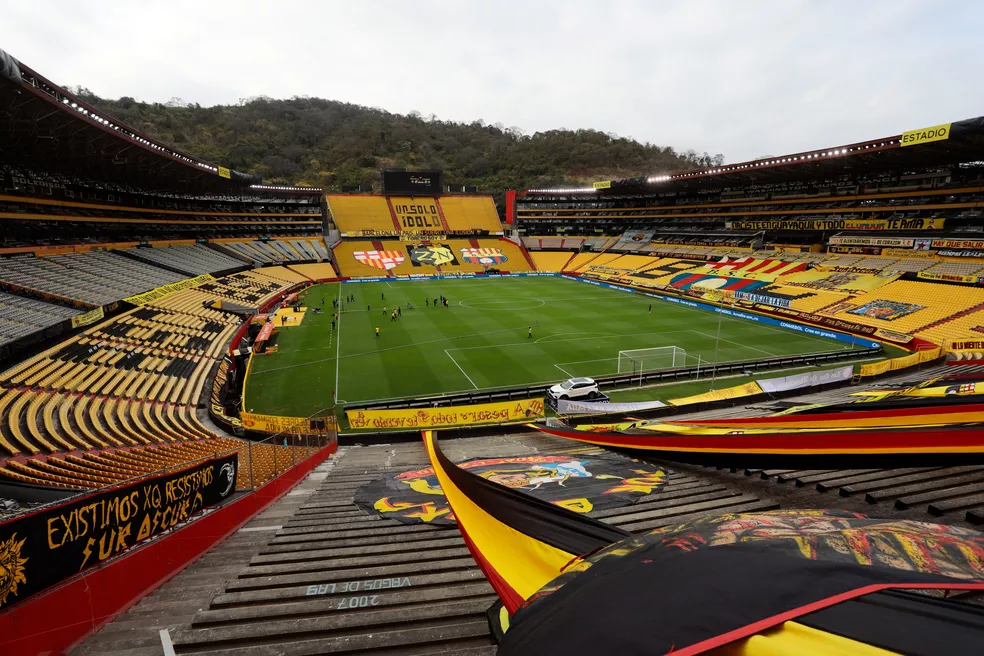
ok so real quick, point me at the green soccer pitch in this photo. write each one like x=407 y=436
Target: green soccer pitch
x=482 y=341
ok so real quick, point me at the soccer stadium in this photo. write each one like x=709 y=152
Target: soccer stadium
x=240 y=417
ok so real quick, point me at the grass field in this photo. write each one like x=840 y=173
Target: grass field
x=481 y=341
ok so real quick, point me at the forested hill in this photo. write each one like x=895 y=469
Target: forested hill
x=330 y=144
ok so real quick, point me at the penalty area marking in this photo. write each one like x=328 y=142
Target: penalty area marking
x=460 y=369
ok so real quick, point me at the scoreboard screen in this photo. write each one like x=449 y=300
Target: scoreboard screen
x=427 y=183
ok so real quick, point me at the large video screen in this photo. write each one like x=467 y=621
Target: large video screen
x=412 y=182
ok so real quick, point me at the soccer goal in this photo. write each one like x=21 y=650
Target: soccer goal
x=640 y=361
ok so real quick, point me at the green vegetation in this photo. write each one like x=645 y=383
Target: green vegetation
x=328 y=144
x=481 y=341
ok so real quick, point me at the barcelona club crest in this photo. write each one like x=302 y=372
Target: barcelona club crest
x=578 y=483
x=432 y=255
x=483 y=256
x=384 y=260
x=11 y=567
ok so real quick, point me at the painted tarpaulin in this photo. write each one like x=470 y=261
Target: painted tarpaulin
x=699 y=281
x=519 y=541
x=41 y=549
x=809 y=379
x=568 y=407
x=580 y=483
x=699 y=585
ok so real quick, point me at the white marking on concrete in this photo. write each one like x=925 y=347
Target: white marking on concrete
x=166 y=643
x=253 y=529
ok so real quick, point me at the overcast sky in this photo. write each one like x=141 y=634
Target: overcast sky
x=745 y=78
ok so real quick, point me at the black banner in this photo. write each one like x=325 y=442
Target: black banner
x=578 y=483
x=44 y=548
x=432 y=255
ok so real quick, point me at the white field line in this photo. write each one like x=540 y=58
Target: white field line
x=569 y=374
x=460 y=369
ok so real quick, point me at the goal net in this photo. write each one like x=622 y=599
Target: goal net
x=640 y=361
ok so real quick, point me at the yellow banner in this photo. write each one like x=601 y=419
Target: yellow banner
x=875 y=368
x=604 y=184
x=161 y=292
x=926 y=135
x=274 y=424
x=90 y=317
x=907 y=252
x=905 y=361
x=422 y=236
x=747 y=389
x=952 y=277
x=968 y=345
x=458 y=415
x=225 y=173
x=840 y=224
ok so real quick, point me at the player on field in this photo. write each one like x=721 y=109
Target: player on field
x=399 y=312
x=529 y=335
x=377 y=332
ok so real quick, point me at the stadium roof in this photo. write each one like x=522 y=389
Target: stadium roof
x=942 y=145
x=48 y=128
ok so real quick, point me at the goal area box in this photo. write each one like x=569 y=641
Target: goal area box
x=640 y=361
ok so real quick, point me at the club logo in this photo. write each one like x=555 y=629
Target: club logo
x=384 y=260
x=11 y=567
x=483 y=256
x=431 y=255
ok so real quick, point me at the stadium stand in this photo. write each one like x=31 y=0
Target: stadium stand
x=20 y=317
x=190 y=259
x=316 y=272
x=365 y=259
x=388 y=216
x=92 y=278
x=551 y=260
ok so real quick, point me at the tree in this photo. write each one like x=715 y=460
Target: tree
x=327 y=143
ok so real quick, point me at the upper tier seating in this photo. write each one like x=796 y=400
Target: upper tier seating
x=362 y=215
x=191 y=259
x=470 y=213
x=94 y=278
x=21 y=316
x=277 y=251
x=355 y=214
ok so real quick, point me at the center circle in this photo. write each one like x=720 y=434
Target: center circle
x=501 y=306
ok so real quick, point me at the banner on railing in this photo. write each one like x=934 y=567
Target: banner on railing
x=808 y=379
x=88 y=318
x=968 y=345
x=164 y=290
x=567 y=407
x=275 y=424
x=44 y=548
x=903 y=362
x=747 y=389
x=456 y=415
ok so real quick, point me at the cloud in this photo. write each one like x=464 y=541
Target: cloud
x=745 y=79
